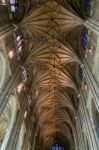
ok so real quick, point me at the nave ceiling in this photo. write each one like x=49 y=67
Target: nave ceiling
x=54 y=64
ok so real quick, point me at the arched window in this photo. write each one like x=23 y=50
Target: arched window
x=19 y=42
x=84 y=39
x=13 y=5
x=81 y=73
x=89 y=7
x=56 y=147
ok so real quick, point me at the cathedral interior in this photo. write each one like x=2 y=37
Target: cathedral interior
x=49 y=67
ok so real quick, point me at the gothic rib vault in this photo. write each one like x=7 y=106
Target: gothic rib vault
x=54 y=66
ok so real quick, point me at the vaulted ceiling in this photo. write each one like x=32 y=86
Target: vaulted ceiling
x=54 y=63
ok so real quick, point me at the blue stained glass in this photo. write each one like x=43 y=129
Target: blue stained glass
x=56 y=147
x=84 y=39
x=89 y=3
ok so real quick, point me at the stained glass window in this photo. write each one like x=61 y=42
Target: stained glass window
x=56 y=147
